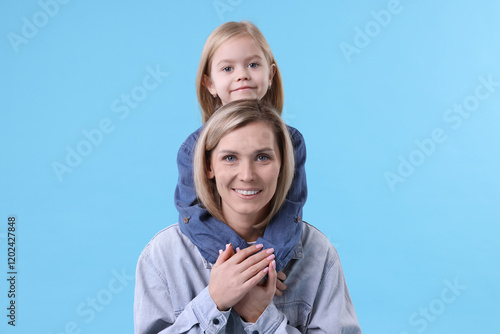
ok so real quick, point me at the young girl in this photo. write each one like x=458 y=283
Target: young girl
x=243 y=169
x=237 y=63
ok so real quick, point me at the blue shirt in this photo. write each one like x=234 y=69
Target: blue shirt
x=171 y=292
x=210 y=234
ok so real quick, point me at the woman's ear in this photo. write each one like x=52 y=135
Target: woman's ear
x=209 y=84
x=210 y=171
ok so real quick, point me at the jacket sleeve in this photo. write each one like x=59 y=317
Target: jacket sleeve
x=271 y=321
x=154 y=312
x=333 y=311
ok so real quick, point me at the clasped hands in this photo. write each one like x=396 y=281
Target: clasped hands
x=237 y=281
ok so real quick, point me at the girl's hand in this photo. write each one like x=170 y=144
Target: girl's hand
x=280 y=286
x=233 y=275
x=255 y=302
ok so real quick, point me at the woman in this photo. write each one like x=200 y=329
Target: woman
x=243 y=168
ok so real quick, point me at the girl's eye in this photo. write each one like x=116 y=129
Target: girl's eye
x=253 y=65
x=230 y=158
x=227 y=69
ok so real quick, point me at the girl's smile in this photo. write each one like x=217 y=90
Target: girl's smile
x=239 y=70
x=243 y=88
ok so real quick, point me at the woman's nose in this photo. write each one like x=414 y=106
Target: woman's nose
x=247 y=172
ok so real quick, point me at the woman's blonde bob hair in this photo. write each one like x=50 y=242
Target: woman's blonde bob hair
x=221 y=34
x=235 y=115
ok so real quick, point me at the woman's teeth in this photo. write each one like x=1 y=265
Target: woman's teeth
x=247 y=192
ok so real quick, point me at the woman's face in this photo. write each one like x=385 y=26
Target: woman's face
x=246 y=165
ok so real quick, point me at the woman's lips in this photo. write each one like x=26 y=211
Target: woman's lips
x=247 y=193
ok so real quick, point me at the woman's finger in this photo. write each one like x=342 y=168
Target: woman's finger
x=224 y=255
x=251 y=260
x=242 y=254
x=256 y=264
x=272 y=277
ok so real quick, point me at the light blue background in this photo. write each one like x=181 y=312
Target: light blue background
x=360 y=114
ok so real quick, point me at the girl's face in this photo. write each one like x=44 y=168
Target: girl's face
x=246 y=165
x=239 y=70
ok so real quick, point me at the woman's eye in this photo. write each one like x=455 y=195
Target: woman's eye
x=227 y=69
x=253 y=65
x=262 y=158
x=230 y=158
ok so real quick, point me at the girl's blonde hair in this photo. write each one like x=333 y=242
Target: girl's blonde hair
x=232 y=116
x=221 y=34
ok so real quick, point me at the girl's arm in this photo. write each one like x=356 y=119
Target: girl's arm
x=298 y=191
x=185 y=193
x=284 y=230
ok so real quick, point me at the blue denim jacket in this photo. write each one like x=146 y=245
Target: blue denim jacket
x=171 y=291
x=210 y=234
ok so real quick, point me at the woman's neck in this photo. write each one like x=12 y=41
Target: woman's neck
x=245 y=228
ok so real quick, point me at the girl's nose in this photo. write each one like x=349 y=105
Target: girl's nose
x=242 y=74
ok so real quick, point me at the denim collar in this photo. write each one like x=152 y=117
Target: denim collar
x=298 y=253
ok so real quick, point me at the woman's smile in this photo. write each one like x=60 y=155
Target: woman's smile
x=247 y=194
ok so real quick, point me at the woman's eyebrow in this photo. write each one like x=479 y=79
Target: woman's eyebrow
x=227 y=152
x=260 y=150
